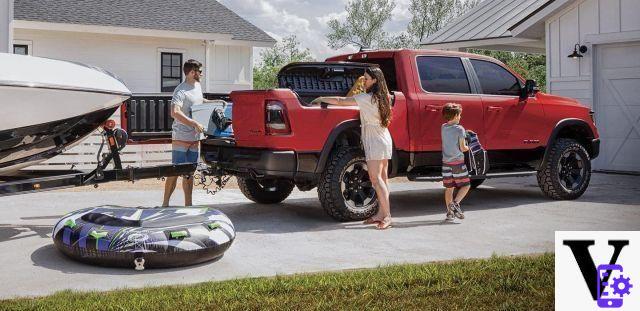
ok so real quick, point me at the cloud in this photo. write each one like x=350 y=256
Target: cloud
x=307 y=20
x=401 y=11
x=323 y=20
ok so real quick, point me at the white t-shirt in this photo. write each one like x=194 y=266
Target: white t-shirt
x=184 y=96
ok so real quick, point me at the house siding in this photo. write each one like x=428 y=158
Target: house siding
x=136 y=60
x=571 y=77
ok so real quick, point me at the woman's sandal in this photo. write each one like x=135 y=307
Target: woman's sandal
x=370 y=221
x=384 y=224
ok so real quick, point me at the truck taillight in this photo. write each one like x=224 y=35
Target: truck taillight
x=276 y=122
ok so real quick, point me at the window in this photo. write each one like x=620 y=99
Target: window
x=496 y=80
x=388 y=67
x=21 y=49
x=443 y=74
x=171 y=71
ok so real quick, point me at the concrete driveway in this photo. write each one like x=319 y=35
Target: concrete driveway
x=505 y=216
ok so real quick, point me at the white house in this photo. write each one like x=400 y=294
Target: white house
x=144 y=42
x=606 y=78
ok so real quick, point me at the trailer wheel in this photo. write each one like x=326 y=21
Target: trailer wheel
x=475 y=183
x=345 y=191
x=265 y=192
x=567 y=171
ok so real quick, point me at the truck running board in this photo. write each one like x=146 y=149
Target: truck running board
x=487 y=176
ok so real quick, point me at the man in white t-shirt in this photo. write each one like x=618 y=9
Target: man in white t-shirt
x=186 y=132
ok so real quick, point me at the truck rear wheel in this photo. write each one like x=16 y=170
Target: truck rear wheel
x=567 y=171
x=345 y=191
x=267 y=191
x=475 y=183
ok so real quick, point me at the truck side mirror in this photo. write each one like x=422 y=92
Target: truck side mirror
x=529 y=89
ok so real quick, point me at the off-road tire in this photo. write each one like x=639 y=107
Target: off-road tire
x=329 y=186
x=276 y=192
x=549 y=178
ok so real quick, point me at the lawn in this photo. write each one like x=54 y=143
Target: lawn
x=498 y=283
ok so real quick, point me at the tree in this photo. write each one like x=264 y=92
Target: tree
x=429 y=16
x=265 y=74
x=363 y=25
x=401 y=41
x=529 y=66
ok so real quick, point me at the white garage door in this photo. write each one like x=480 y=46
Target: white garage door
x=617 y=106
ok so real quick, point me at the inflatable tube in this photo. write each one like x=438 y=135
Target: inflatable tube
x=144 y=238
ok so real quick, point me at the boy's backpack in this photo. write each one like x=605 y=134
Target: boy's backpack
x=476 y=158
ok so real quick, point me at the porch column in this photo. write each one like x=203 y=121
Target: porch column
x=6 y=26
x=208 y=68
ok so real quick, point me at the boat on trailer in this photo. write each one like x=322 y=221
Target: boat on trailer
x=50 y=105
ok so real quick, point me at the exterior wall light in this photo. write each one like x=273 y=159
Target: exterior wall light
x=578 y=50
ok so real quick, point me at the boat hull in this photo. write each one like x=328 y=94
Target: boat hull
x=27 y=106
x=29 y=145
x=50 y=105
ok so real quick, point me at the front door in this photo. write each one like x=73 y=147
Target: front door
x=443 y=80
x=510 y=124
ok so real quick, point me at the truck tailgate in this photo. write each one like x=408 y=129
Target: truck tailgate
x=147 y=117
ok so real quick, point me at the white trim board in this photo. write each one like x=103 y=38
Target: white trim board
x=615 y=37
x=222 y=39
x=537 y=45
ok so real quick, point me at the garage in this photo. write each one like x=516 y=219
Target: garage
x=617 y=106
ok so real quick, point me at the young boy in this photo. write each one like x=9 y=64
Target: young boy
x=454 y=170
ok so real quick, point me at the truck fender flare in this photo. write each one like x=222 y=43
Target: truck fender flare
x=333 y=136
x=562 y=124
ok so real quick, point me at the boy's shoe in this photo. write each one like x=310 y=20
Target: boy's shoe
x=457 y=211
x=450 y=216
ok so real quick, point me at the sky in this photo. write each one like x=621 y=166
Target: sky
x=307 y=20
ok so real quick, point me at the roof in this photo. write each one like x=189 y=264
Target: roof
x=202 y=16
x=383 y=53
x=488 y=20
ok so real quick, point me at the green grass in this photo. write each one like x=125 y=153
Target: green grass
x=498 y=283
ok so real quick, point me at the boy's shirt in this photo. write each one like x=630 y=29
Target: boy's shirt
x=451 y=135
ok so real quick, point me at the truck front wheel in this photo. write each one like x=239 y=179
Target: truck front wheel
x=266 y=191
x=567 y=171
x=345 y=191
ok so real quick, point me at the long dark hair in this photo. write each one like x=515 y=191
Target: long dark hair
x=380 y=95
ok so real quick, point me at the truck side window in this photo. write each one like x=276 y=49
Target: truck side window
x=442 y=74
x=495 y=80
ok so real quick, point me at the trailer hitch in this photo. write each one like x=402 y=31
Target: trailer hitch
x=217 y=178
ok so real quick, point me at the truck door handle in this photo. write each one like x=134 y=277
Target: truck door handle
x=433 y=108
x=494 y=109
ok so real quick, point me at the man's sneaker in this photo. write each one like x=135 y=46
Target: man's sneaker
x=457 y=210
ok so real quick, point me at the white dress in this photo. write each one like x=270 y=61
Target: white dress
x=376 y=139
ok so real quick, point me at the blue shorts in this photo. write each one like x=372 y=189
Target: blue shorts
x=180 y=155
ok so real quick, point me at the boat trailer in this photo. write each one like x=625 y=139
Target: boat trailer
x=28 y=181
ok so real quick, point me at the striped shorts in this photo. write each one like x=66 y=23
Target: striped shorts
x=455 y=174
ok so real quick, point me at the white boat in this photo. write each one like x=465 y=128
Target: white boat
x=50 y=105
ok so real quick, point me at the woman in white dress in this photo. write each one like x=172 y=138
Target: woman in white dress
x=375 y=117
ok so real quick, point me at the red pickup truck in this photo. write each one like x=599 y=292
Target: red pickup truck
x=280 y=140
